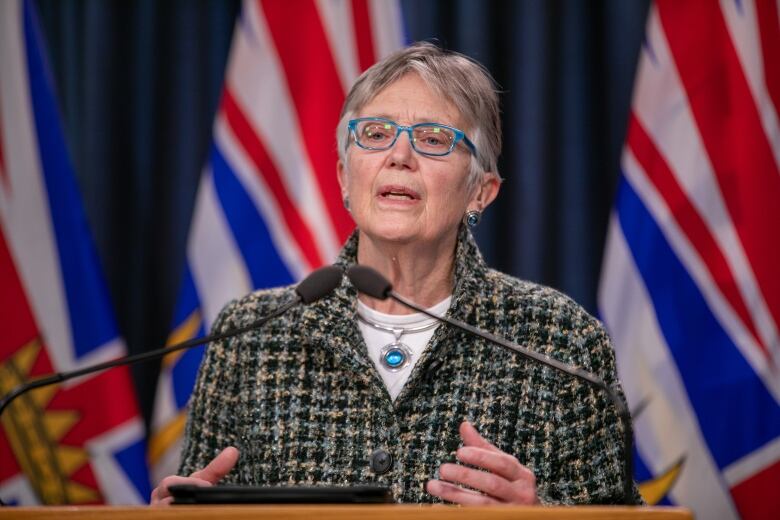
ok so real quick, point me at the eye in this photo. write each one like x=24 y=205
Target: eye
x=433 y=140
x=433 y=137
x=377 y=133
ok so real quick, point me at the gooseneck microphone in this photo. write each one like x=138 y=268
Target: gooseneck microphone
x=370 y=282
x=318 y=284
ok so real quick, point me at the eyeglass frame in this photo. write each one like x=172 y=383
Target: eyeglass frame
x=460 y=135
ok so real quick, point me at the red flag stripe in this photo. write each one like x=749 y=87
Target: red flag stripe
x=730 y=126
x=364 y=41
x=757 y=497
x=689 y=220
x=316 y=91
x=103 y=403
x=14 y=306
x=769 y=31
x=256 y=151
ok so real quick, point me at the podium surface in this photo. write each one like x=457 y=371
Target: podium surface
x=347 y=512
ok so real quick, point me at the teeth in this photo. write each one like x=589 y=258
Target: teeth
x=393 y=195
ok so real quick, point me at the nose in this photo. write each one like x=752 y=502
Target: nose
x=402 y=154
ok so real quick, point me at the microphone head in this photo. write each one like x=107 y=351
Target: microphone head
x=319 y=283
x=369 y=282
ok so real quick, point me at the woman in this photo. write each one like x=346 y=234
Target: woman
x=351 y=390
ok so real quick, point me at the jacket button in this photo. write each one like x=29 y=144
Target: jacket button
x=381 y=461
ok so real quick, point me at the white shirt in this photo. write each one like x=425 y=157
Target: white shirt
x=416 y=341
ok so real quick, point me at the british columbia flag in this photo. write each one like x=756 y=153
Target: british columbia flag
x=82 y=442
x=691 y=278
x=269 y=208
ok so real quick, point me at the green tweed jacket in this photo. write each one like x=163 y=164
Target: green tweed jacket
x=304 y=404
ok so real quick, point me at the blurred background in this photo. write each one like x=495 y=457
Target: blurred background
x=199 y=183
x=139 y=83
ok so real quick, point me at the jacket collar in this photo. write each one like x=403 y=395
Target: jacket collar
x=335 y=318
x=470 y=267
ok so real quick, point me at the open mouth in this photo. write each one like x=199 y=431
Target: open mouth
x=398 y=193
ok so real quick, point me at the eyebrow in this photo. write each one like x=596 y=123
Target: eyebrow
x=416 y=120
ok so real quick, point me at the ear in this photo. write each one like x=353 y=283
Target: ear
x=341 y=174
x=485 y=191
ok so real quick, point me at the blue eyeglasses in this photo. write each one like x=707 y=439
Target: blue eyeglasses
x=378 y=133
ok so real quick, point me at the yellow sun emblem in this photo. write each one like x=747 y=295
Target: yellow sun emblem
x=656 y=489
x=34 y=434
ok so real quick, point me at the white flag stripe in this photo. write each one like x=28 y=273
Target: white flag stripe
x=255 y=187
x=168 y=463
x=742 y=24
x=693 y=263
x=270 y=111
x=165 y=401
x=165 y=410
x=752 y=463
x=20 y=488
x=667 y=429
x=109 y=474
x=218 y=269
x=661 y=105
x=111 y=349
x=387 y=27
x=336 y=17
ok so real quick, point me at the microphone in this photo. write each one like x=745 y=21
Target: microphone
x=318 y=284
x=370 y=282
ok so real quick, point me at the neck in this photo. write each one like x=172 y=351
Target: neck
x=422 y=272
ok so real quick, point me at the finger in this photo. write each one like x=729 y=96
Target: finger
x=471 y=437
x=162 y=490
x=488 y=483
x=500 y=463
x=165 y=501
x=458 y=495
x=219 y=466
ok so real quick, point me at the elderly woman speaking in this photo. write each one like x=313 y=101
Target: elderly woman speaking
x=352 y=390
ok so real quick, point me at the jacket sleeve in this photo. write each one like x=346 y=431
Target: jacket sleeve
x=211 y=420
x=589 y=428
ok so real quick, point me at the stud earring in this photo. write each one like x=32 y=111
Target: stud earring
x=472 y=218
x=346 y=203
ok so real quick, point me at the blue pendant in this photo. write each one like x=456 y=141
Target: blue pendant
x=395 y=356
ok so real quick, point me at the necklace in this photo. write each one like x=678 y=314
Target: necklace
x=395 y=355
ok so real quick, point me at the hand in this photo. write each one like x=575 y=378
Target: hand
x=208 y=476
x=504 y=481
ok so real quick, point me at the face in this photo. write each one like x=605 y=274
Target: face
x=398 y=194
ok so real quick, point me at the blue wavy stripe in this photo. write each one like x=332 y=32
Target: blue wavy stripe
x=132 y=459
x=185 y=370
x=91 y=319
x=735 y=412
x=265 y=265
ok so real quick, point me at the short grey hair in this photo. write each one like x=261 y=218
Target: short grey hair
x=464 y=82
